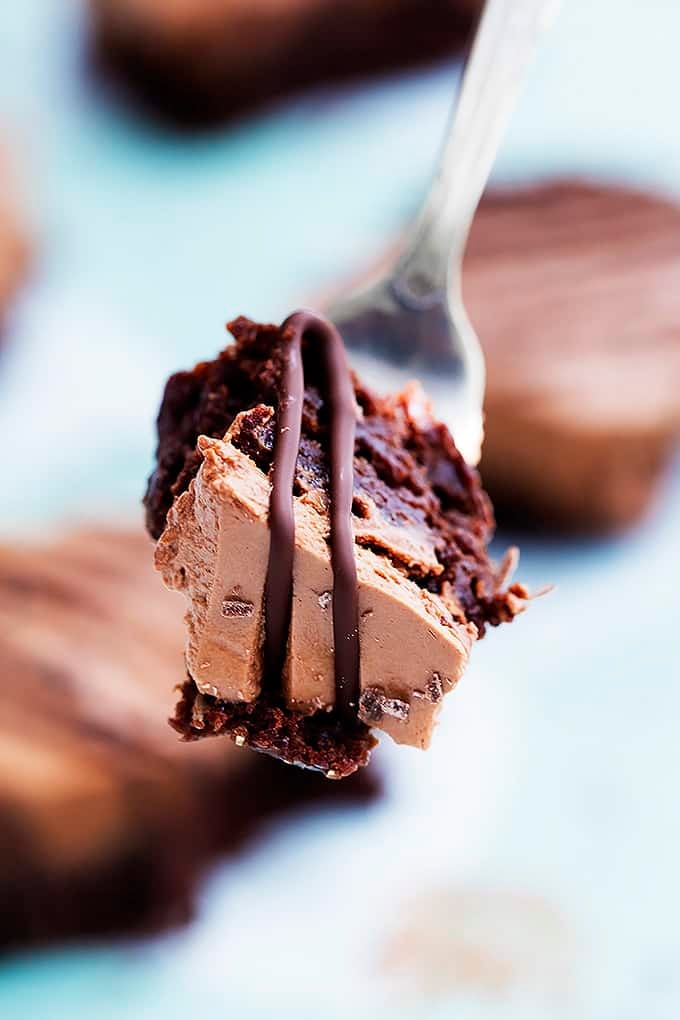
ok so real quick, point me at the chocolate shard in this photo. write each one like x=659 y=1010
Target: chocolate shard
x=237 y=607
x=374 y=706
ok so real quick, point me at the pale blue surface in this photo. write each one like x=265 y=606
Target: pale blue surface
x=555 y=769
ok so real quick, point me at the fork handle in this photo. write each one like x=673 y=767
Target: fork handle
x=504 y=44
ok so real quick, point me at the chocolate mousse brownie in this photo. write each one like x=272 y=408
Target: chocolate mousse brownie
x=331 y=545
x=106 y=821
x=582 y=345
x=197 y=61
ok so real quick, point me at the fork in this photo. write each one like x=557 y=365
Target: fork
x=411 y=321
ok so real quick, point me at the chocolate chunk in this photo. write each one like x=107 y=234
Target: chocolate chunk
x=434 y=688
x=374 y=706
x=237 y=607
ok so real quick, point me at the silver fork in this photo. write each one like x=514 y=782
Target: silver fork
x=411 y=322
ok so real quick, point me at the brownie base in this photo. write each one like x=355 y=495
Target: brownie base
x=322 y=741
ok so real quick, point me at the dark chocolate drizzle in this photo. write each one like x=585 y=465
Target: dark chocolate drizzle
x=342 y=423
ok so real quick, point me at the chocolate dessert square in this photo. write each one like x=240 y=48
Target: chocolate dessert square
x=331 y=545
x=582 y=346
x=106 y=821
x=197 y=61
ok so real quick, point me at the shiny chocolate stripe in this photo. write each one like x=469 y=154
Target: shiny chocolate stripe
x=339 y=395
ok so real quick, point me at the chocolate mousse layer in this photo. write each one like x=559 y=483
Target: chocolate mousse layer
x=419 y=525
x=106 y=820
x=573 y=290
x=197 y=61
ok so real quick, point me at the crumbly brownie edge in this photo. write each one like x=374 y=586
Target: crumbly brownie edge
x=320 y=741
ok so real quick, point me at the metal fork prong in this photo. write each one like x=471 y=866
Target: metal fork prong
x=412 y=321
x=493 y=76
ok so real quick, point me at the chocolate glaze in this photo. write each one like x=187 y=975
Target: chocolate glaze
x=342 y=424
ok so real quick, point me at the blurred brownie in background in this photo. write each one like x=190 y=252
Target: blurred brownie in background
x=573 y=289
x=197 y=61
x=14 y=245
x=106 y=820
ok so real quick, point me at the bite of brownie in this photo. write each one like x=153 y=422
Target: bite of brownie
x=419 y=522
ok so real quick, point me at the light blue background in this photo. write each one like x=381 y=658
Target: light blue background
x=555 y=768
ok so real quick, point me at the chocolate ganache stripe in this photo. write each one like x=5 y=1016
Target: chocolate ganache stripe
x=342 y=424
